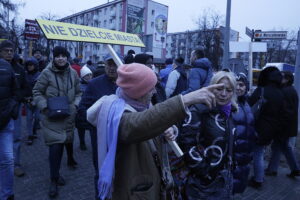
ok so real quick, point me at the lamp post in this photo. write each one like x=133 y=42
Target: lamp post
x=297 y=74
x=162 y=39
x=226 y=36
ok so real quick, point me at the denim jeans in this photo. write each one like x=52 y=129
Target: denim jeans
x=292 y=142
x=282 y=146
x=258 y=163
x=32 y=119
x=18 y=139
x=6 y=161
x=55 y=156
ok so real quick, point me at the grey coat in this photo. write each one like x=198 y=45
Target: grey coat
x=57 y=130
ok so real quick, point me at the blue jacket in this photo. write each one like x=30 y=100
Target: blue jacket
x=96 y=88
x=164 y=73
x=199 y=75
x=32 y=76
x=83 y=85
x=244 y=139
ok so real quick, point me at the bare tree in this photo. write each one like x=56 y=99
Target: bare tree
x=43 y=43
x=283 y=50
x=210 y=36
x=8 y=9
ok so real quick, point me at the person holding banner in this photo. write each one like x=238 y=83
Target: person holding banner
x=130 y=134
x=61 y=83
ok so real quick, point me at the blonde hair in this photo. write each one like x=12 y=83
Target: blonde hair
x=232 y=80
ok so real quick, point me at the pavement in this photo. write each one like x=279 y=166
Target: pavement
x=80 y=186
x=35 y=184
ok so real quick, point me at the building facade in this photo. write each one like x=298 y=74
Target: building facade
x=181 y=44
x=146 y=18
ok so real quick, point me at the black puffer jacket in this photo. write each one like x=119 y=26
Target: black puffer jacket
x=8 y=92
x=273 y=118
x=21 y=77
x=292 y=102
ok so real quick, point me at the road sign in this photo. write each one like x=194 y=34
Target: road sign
x=249 y=32
x=244 y=47
x=273 y=35
x=32 y=31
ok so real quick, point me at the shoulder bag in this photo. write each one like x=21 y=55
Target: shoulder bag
x=58 y=107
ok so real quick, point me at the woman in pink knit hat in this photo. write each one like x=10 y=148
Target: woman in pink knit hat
x=131 y=158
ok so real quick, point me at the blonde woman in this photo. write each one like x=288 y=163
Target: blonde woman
x=208 y=143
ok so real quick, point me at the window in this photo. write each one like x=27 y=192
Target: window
x=152 y=24
x=153 y=12
x=104 y=24
x=105 y=11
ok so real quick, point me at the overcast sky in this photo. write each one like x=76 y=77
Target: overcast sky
x=255 y=14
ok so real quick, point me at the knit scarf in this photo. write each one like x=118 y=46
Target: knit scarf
x=138 y=106
x=226 y=109
x=109 y=116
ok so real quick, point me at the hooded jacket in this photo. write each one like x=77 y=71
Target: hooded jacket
x=199 y=75
x=33 y=75
x=57 y=131
x=273 y=116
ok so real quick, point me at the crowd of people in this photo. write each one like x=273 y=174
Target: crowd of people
x=133 y=112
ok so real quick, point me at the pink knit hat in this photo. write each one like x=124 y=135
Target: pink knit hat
x=136 y=80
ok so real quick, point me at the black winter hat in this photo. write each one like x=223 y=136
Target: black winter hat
x=169 y=61
x=142 y=58
x=59 y=50
x=179 y=61
x=7 y=44
x=243 y=78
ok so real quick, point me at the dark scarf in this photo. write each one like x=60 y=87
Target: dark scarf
x=225 y=110
x=61 y=68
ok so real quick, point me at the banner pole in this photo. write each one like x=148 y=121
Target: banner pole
x=118 y=61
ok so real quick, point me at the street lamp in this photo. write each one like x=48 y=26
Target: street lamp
x=162 y=39
x=226 y=36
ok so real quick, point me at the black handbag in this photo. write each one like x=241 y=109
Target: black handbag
x=257 y=107
x=58 y=107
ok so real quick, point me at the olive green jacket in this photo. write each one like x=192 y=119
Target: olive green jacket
x=136 y=174
x=54 y=130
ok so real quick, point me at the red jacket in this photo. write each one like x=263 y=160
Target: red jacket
x=76 y=68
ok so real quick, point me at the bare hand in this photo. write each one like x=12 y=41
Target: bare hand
x=204 y=95
x=169 y=134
